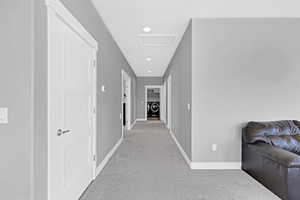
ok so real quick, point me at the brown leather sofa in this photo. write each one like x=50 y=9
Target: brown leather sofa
x=270 y=154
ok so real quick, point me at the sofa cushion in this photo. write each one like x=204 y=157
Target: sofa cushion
x=260 y=131
x=288 y=142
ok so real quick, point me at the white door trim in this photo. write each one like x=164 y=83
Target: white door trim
x=169 y=106
x=128 y=113
x=94 y=111
x=146 y=96
x=56 y=8
x=164 y=103
x=126 y=77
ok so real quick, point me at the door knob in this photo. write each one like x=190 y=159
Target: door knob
x=61 y=132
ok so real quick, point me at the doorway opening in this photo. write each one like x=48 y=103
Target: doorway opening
x=153 y=101
x=126 y=101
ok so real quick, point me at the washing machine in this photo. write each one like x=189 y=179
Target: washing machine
x=153 y=110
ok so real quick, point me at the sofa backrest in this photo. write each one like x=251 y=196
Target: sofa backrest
x=265 y=131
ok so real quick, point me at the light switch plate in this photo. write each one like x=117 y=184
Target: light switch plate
x=189 y=106
x=103 y=88
x=3 y=115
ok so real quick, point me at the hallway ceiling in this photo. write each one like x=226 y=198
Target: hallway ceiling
x=168 y=20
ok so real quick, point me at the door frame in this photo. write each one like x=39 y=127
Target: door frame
x=127 y=79
x=56 y=8
x=169 y=102
x=160 y=87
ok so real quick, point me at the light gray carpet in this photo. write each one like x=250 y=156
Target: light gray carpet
x=148 y=166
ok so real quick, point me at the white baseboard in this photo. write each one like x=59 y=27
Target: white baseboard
x=141 y=119
x=186 y=158
x=107 y=157
x=132 y=125
x=215 y=165
x=205 y=165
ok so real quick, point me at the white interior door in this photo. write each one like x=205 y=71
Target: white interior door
x=71 y=110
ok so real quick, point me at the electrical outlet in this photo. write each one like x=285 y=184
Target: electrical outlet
x=214 y=147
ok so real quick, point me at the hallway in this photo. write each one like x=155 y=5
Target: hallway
x=148 y=166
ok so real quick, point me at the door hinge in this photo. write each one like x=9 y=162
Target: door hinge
x=94 y=110
x=94 y=158
x=94 y=63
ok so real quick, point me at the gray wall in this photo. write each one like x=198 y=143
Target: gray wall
x=180 y=70
x=140 y=101
x=17 y=94
x=110 y=63
x=23 y=78
x=243 y=69
x=40 y=100
x=153 y=96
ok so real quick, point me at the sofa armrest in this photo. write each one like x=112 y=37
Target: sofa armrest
x=278 y=155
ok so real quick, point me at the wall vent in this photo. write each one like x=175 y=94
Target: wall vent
x=157 y=39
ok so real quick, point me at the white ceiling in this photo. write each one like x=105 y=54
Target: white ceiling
x=126 y=18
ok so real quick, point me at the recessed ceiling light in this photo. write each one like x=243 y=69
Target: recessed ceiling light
x=147 y=29
x=148 y=59
x=149 y=71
